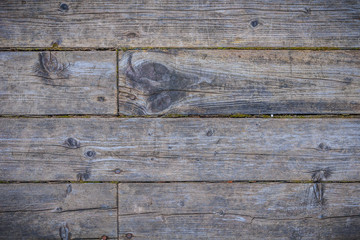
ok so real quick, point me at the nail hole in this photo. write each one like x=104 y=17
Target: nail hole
x=117 y=171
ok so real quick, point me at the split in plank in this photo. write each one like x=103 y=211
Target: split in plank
x=58 y=211
x=187 y=23
x=239 y=211
x=179 y=149
x=234 y=81
x=49 y=83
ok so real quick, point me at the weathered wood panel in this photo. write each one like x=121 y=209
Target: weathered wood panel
x=170 y=23
x=36 y=83
x=182 y=149
x=230 y=81
x=58 y=211
x=239 y=211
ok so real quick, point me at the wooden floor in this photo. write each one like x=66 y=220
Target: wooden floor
x=164 y=119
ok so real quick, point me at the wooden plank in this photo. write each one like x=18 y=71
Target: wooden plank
x=58 y=211
x=238 y=211
x=179 y=149
x=169 y=23
x=247 y=82
x=36 y=83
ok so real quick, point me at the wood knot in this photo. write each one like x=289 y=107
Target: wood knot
x=318 y=193
x=129 y=235
x=83 y=176
x=210 y=132
x=90 y=154
x=321 y=174
x=318 y=188
x=254 y=23
x=101 y=99
x=64 y=7
x=132 y=35
x=72 y=143
x=64 y=232
x=68 y=189
x=49 y=67
x=161 y=85
x=324 y=147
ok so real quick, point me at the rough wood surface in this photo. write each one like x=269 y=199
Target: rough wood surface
x=58 y=211
x=170 y=23
x=230 y=81
x=182 y=149
x=239 y=211
x=36 y=83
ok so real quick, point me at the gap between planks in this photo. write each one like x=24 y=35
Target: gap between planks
x=124 y=49
x=235 y=115
x=200 y=181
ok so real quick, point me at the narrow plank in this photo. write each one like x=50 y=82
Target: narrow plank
x=179 y=149
x=170 y=23
x=247 y=82
x=238 y=211
x=37 y=83
x=58 y=211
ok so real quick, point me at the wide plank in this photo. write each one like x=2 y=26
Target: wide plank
x=179 y=149
x=56 y=83
x=58 y=211
x=239 y=81
x=239 y=211
x=187 y=23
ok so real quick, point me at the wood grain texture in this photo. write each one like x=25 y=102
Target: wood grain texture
x=238 y=211
x=170 y=23
x=182 y=149
x=58 y=211
x=239 y=81
x=37 y=83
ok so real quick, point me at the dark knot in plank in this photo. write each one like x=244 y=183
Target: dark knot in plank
x=64 y=232
x=72 y=143
x=161 y=85
x=49 y=67
x=64 y=7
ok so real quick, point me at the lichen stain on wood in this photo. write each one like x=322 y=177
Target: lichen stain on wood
x=161 y=85
x=50 y=68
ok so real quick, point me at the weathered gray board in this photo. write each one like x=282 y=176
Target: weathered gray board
x=178 y=149
x=57 y=211
x=244 y=81
x=187 y=23
x=36 y=83
x=239 y=211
